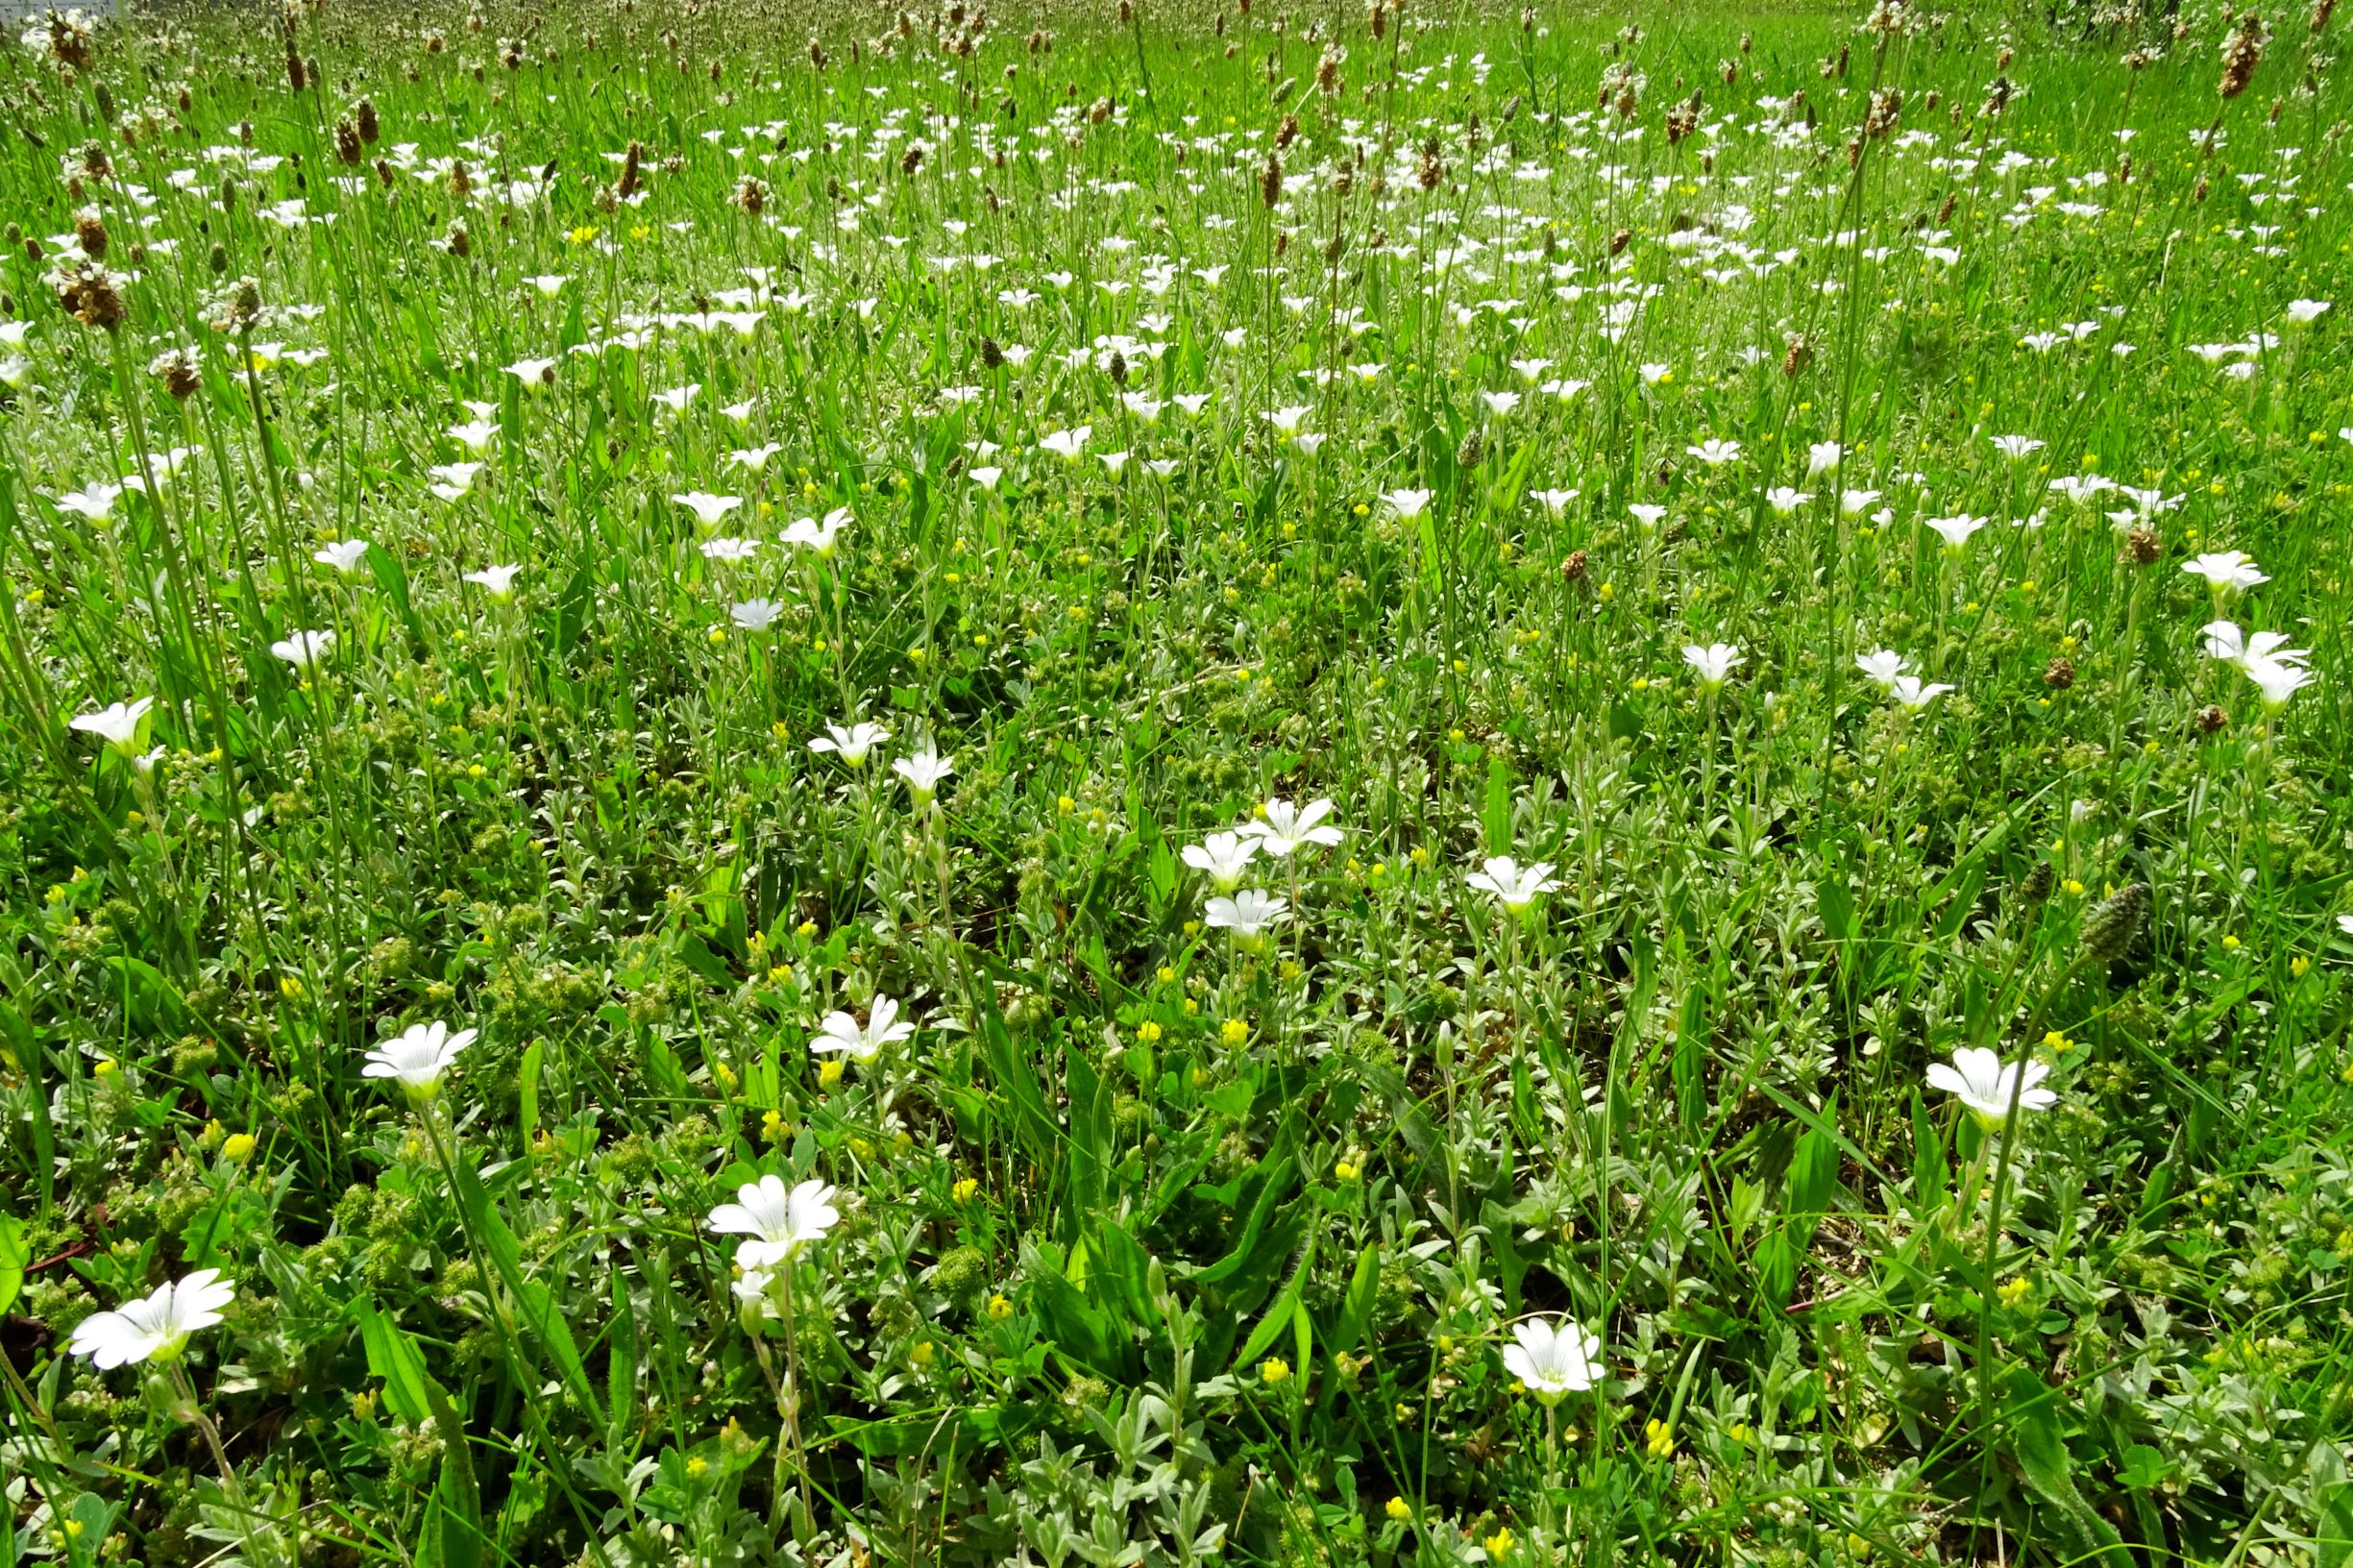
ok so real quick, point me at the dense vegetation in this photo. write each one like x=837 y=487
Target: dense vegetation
x=1302 y=785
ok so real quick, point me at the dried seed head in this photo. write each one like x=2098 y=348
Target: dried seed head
x=90 y=230
x=1472 y=452
x=2109 y=930
x=363 y=117
x=1886 y=108
x=176 y=369
x=2242 y=55
x=2143 y=546
x=1997 y=97
x=347 y=150
x=1286 y=133
x=1619 y=240
x=1573 y=568
x=991 y=354
x=1270 y=180
x=2211 y=718
x=92 y=294
x=1801 y=354
x=751 y=196
x=460 y=243
x=2059 y=674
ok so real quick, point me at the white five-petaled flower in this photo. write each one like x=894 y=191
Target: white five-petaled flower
x=1553 y=502
x=418 y=1056
x=2226 y=571
x=2304 y=312
x=1066 y=445
x=850 y=745
x=344 y=554
x=474 y=435
x=808 y=533
x=754 y=458
x=924 y=772
x=1247 y=915
x=709 y=511
x=677 y=397
x=1553 y=1358
x=778 y=1220
x=157 y=1327
x=1514 y=885
x=2016 y=448
x=117 y=723
x=1646 y=514
x=1883 y=666
x=1715 y=453
x=1913 y=694
x=2278 y=680
x=1956 y=530
x=305 y=648
x=94 y=502
x=498 y=581
x=1285 y=827
x=1785 y=498
x=1985 y=1085
x=728 y=547
x=1223 y=858
x=1821 y=456
x=1406 y=503
x=1715 y=662
x=883 y=1027
x=532 y=373
x=755 y=614
x=2225 y=641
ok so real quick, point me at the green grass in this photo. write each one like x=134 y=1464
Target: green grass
x=1158 y=1244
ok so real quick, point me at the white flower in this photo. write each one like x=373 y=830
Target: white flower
x=754 y=458
x=755 y=614
x=1500 y=402
x=344 y=555
x=1785 y=498
x=2302 y=312
x=418 y=1056
x=987 y=477
x=1715 y=662
x=1066 y=444
x=94 y=502
x=779 y=1221
x=1551 y=1359
x=677 y=397
x=1247 y=915
x=1912 y=694
x=305 y=648
x=117 y=723
x=549 y=284
x=2345 y=924
x=1287 y=419
x=924 y=772
x=1515 y=887
x=2016 y=448
x=1114 y=462
x=1821 y=456
x=474 y=435
x=1715 y=454
x=840 y=1032
x=1647 y=515
x=1956 y=530
x=155 y=1329
x=1854 y=503
x=850 y=745
x=2278 y=681
x=808 y=533
x=1286 y=827
x=1553 y=502
x=728 y=547
x=709 y=511
x=2226 y=642
x=1193 y=403
x=1882 y=666
x=1985 y=1084
x=1407 y=504
x=533 y=373
x=2226 y=571
x=498 y=581
x=1223 y=858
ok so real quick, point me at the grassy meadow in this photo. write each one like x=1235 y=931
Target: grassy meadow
x=1128 y=787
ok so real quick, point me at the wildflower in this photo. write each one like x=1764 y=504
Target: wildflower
x=2304 y=312
x=1274 y=1370
x=1715 y=663
x=2228 y=572
x=1399 y=1509
x=2224 y=642
x=808 y=533
x=344 y=555
x=850 y=745
x=117 y=723
x=1223 y=857
x=781 y=1222
x=840 y=1032
x=1856 y=503
x=1515 y=887
x=1659 y=1439
x=709 y=511
x=418 y=1057
x=1248 y=915
x=474 y=435
x=1986 y=1084
x=1499 y=1545
x=1785 y=498
x=1286 y=827
x=1647 y=516
x=754 y=458
x=755 y=614
x=1233 y=1032
x=94 y=502
x=1066 y=445
x=727 y=548
x=1552 y=1356
x=453 y=482
x=1714 y=452
x=677 y=397
x=305 y=648
x=1407 y=504
x=2016 y=448
x=1956 y=530
x=924 y=772
x=1883 y=666
x=533 y=373
x=1553 y=502
x=1821 y=456
x=498 y=581
x=2278 y=681
x=156 y=1328
x=1911 y=694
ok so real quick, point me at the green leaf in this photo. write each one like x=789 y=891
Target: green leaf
x=455 y=1525
x=1496 y=815
x=15 y=1252
x=1932 y=1170
x=393 y=1355
x=2039 y=1447
x=391 y=576
x=532 y=1055
x=1356 y=1305
x=1278 y=1317
x=535 y=1309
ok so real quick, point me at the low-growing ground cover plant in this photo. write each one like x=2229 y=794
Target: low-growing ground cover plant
x=1318 y=785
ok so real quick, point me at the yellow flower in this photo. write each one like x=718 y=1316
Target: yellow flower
x=1168 y=976
x=2298 y=966
x=1000 y=1308
x=1399 y=1509
x=1274 y=1369
x=2013 y=1291
x=1147 y=1031
x=1064 y=804
x=1499 y=1545
x=1346 y=1170
x=237 y=1148
x=289 y=987
x=829 y=1071
x=1737 y=1432
x=723 y=1075
x=696 y=1466
x=921 y=1356
x=1234 y=1031
x=806 y=930
x=1660 y=1438
x=963 y=1189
